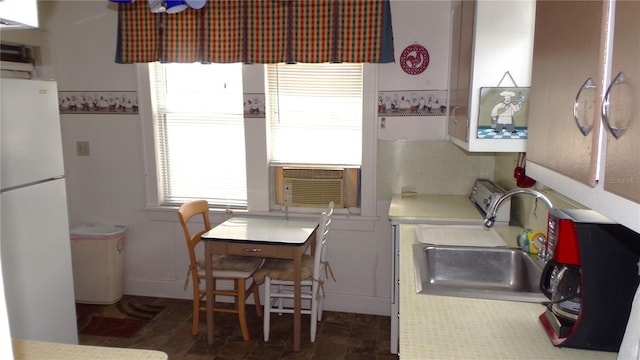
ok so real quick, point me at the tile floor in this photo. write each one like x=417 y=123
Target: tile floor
x=340 y=336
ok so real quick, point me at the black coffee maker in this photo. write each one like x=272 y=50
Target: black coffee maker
x=590 y=279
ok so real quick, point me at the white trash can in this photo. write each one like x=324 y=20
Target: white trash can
x=97 y=255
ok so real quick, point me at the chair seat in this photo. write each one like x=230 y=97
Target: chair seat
x=229 y=266
x=283 y=270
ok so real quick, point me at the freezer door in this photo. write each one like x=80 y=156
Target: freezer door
x=36 y=263
x=31 y=143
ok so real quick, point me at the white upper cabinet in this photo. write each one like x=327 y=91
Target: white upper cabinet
x=584 y=118
x=18 y=14
x=491 y=46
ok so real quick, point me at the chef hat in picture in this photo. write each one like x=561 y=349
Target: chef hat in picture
x=507 y=93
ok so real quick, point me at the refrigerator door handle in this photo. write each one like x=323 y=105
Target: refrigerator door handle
x=31 y=183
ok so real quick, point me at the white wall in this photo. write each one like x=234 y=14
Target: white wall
x=108 y=186
x=425 y=23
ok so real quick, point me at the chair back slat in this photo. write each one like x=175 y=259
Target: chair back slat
x=321 y=241
x=186 y=213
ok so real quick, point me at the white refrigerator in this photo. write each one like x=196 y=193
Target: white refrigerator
x=35 y=249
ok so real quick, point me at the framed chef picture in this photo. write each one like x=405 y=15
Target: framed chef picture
x=503 y=113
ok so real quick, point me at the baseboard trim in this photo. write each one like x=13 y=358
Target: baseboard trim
x=359 y=304
x=161 y=289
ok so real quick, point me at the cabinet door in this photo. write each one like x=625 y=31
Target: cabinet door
x=460 y=79
x=622 y=167
x=456 y=23
x=566 y=52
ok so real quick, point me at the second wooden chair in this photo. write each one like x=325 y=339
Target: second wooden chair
x=235 y=268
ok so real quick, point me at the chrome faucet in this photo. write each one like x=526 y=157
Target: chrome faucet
x=490 y=217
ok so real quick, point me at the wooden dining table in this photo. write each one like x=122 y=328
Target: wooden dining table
x=277 y=238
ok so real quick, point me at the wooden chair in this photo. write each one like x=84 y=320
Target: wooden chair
x=235 y=268
x=277 y=276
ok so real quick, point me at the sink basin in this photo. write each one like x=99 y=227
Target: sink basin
x=477 y=272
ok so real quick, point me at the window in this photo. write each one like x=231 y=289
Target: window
x=199 y=145
x=199 y=133
x=314 y=113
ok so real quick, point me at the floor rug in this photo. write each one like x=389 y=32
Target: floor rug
x=118 y=320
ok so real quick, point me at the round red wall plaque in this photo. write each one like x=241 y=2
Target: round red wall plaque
x=414 y=59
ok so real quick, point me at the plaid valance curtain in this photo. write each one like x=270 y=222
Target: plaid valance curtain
x=258 y=31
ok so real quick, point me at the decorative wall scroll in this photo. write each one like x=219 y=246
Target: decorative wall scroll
x=98 y=102
x=412 y=103
x=503 y=113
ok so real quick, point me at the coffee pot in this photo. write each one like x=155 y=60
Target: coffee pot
x=562 y=286
x=590 y=280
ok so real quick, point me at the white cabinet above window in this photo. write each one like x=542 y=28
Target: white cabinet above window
x=489 y=39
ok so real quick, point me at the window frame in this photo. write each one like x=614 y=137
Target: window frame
x=258 y=173
x=170 y=111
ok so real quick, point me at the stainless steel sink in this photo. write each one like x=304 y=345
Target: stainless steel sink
x=477 y=272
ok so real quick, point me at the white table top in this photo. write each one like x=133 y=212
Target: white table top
x=269 y=231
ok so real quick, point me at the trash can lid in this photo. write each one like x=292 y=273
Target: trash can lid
x=97 y=230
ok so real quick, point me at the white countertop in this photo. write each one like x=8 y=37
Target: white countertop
x=440 y=327
x=443 y=209
x=38 y=350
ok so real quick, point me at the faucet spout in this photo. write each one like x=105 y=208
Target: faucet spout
x=490 y=217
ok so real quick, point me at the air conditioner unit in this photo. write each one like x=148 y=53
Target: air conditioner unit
x=309 y=187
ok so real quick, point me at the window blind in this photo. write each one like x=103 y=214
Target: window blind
x=199 y=130
x=314 y=112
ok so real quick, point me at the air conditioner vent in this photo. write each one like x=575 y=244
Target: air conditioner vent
x=313 y=174
x=313 y=187
x=298 y=173
x=327 y=174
